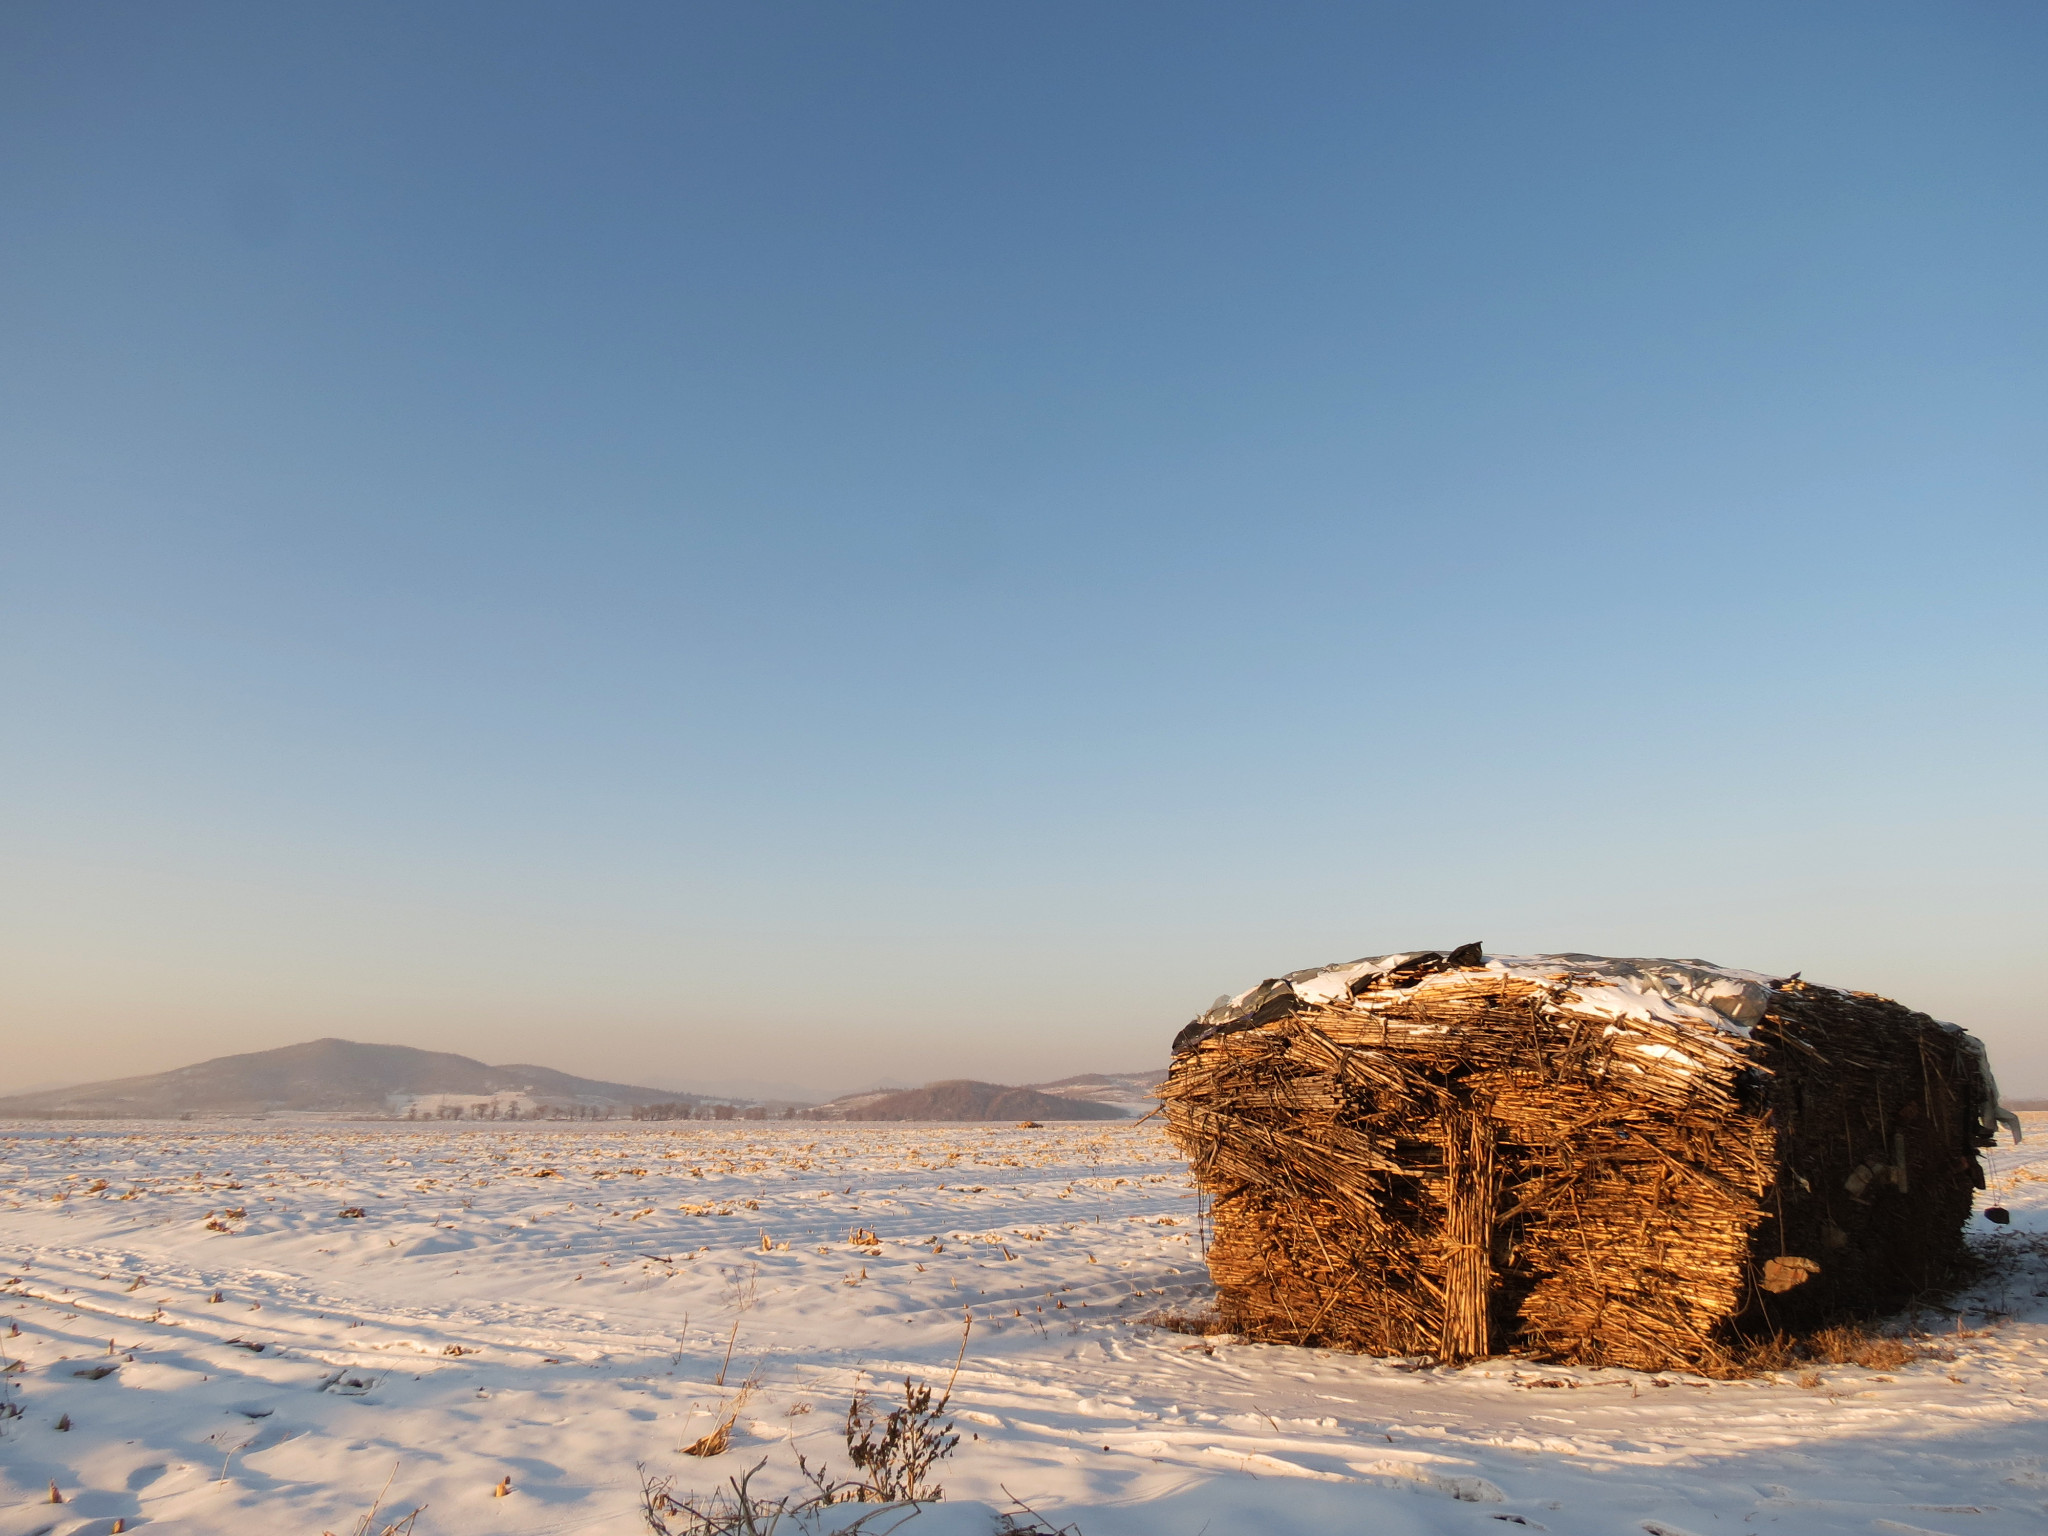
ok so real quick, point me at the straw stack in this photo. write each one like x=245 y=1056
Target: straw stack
x=1599 y=1161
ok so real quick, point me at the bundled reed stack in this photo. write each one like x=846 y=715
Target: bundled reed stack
x=1607 y=1162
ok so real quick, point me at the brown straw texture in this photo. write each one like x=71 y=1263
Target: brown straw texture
x=1471 y=1163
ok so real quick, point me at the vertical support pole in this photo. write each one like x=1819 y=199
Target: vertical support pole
x=1471 y=1191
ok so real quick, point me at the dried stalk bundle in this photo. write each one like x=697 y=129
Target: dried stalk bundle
x=1606 y=1162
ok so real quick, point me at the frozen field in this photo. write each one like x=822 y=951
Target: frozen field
x=553 y=1307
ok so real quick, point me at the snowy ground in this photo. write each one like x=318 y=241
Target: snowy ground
x=553 y=1306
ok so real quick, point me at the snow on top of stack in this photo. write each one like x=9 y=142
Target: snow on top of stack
x=1683 y=994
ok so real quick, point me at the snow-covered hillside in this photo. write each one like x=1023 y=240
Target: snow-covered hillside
x=553 y=1308
x=1134 y=1092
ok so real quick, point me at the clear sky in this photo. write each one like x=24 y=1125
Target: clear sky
x=798 y=546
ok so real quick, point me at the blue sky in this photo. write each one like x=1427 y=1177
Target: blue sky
x=801 y=546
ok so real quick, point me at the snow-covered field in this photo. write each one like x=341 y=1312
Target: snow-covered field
x=234 y=1355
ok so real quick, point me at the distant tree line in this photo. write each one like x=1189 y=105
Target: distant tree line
x=681 y=1111
x=486 y=1109
x=491 y=1109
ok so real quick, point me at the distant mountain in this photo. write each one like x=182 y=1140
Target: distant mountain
x=964 y=1099
x=335 y=1076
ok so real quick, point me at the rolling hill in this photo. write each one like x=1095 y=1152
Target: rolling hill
x=965 y=1099
x=1132 y=1092
x=326 y=1075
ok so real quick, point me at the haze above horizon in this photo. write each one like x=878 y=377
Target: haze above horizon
x=815 y=546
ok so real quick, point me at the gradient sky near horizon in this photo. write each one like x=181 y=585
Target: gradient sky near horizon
x=782 y=548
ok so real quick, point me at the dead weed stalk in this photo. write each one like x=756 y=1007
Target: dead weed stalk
x=367 y=1524
x=1029 y=1522
x=895 y=1451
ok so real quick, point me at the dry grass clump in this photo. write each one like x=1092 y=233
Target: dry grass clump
x=719 y=1438
x=1839 y=1344
x=892 y=1449
x=895 y=1450
x=1846 y=1344
x=1200 y=1320
x=736 y=1511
